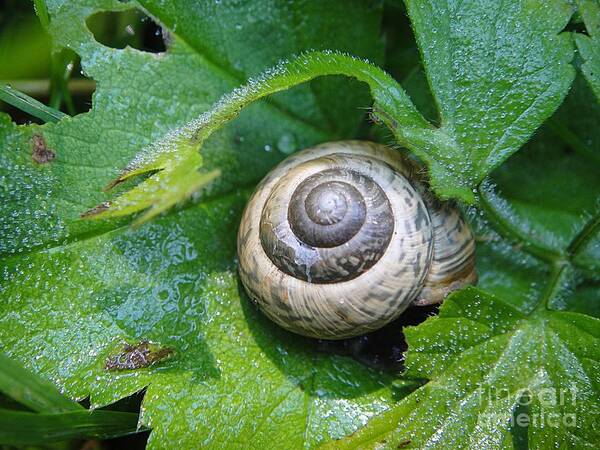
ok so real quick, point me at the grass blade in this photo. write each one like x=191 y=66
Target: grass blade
x=29 y=105
x=24 y=428
x=42 y=13
x=31 y=390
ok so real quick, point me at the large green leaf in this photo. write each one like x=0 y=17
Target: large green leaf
x=74 y=293
x=514 y=362
x=493 y=84
x=493 y=88
x=484 y=360
x=176 y=156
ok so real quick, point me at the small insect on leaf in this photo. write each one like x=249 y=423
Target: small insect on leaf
x=143 y=354
x=40 y=152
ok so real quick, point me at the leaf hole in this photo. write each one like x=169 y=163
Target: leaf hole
x=134 y=441
x=71 y=95
x=576 y=25
x=28 y=68
x=131 y=28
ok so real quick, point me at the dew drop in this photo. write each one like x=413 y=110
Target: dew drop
x=287 y=144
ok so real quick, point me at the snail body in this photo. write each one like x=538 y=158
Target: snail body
x=339 y=239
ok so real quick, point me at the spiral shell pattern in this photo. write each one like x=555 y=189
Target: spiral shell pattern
x=339 y=239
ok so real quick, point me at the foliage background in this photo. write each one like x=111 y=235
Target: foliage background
x=74 y=292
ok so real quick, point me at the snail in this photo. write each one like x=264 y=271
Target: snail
x=339 y=239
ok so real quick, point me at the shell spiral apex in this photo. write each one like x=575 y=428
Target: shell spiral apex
x=339 y=239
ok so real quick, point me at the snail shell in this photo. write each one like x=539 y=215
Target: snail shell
x=339 y=239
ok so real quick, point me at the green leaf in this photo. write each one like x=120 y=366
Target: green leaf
x=105 y=310
x=29 y=390
x=177 y=159
x=531 y=198
x=494 y=84
x=589 y=46
x=517 y=73
x=232 y=370
x=482 y=357
x=76 y=294
x=23 y=428
x=496 y=354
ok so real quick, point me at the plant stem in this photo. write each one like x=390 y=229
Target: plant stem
x=586 y=233
x=560 y=267
x=553 y=286
x=61 y=68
